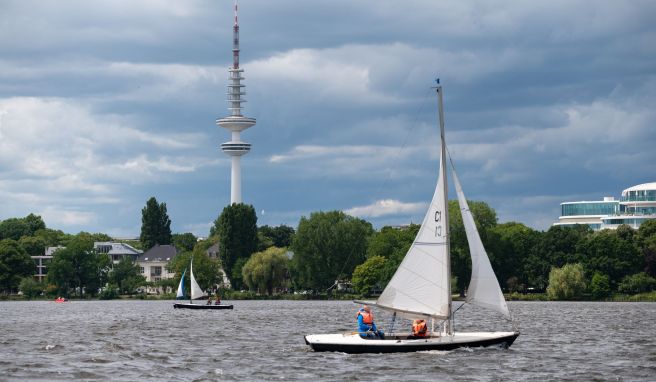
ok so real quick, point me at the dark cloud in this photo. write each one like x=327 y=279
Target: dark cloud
x=545 y=102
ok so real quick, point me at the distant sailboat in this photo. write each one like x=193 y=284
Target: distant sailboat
x=196 y=293
x=180 y=294
x=421 y=286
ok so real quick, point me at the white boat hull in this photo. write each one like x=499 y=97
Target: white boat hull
x=353 y=343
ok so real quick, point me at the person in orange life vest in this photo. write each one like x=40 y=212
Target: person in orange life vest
x=366 y=324
x=218 y=300
x=419 y=328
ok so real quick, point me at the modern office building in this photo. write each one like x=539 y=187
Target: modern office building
x=636 y=205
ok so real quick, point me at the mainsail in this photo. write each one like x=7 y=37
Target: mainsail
x=180 y=293
x=421 y=285
x=196 y=292
x=484 y=287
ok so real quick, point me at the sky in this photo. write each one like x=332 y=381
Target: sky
x=104 y=104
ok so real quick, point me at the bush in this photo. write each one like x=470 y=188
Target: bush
x=637 y=283
x=600 y=286
x=30 y=288
x=109 y=293
x=566 y=283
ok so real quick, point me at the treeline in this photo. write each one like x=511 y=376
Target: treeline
x=330 y=249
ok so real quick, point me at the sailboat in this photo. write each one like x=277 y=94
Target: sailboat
x=421 y=286
x=196 y=293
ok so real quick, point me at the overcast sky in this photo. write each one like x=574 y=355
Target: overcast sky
x=104 y=104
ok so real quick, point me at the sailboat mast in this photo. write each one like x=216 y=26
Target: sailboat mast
x=447 y=324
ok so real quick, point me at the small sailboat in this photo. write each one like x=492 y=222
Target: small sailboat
x=421 y=286
x=196 y=293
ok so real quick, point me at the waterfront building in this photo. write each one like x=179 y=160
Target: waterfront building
x=636 y=205
x=43 y=261
x=235 y=122
x=117 y=251
x=153 y=264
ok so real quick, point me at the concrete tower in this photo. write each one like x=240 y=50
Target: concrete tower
x=235 y=122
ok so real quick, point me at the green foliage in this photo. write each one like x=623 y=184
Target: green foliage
x=281 y=236
x=485 y=218
x=155 y=224
x=263 y=241
x=369 y=275
x=109 y=293
x=184 y=242
x=566 y=283
x=237 y=231
x=30 y=288
x=206 y=270
x=53 y=238
x=126 y=276
x=15 y=264
x=600 y=286
x=15 y=228
x=78 y=267
x=266 y=270
x=637 y=283
x=33 y=245
x=510 y=246
x=391 y=244
x=327 y=247
x=608 y=253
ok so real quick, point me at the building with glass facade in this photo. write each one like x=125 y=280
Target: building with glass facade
x=636 y=205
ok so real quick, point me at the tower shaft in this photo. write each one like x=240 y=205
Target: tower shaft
x=235 y=122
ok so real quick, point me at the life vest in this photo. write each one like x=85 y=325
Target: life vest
x=367 y=317
x=419 y=328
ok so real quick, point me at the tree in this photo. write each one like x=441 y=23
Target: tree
x=391 y=244
x=369 y=275
x=13 y=228
x=600 y=286
x=126 y=276
x=637 y=283
x=485 y=218
x=206 y=270
x=266 y=270
x=78 y=267
x=509 y=246
x=30 y=287
x=566 y=283
x=608 y=253
x=34 y=223
x=15 y=264
x=236 y=227
x=281 y=236
x=53 y=238
x=327 y=247
x=155 y=224
x=33 y=245
x=184 y=242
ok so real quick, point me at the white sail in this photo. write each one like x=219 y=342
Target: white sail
x=421 y=284
x=180 y=293
x=196 y=292
x=484 y=287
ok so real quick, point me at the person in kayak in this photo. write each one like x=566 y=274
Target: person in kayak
x=366 y=325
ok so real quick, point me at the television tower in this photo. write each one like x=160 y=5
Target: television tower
x=235 y=122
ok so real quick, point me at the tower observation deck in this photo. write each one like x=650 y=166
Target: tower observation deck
x=235 y=122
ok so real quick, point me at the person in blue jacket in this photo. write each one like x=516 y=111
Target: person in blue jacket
x=366 y=325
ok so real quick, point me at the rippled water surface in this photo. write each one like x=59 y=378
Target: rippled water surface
x=263 y=340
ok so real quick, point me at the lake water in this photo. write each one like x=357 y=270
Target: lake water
x=263 y=340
